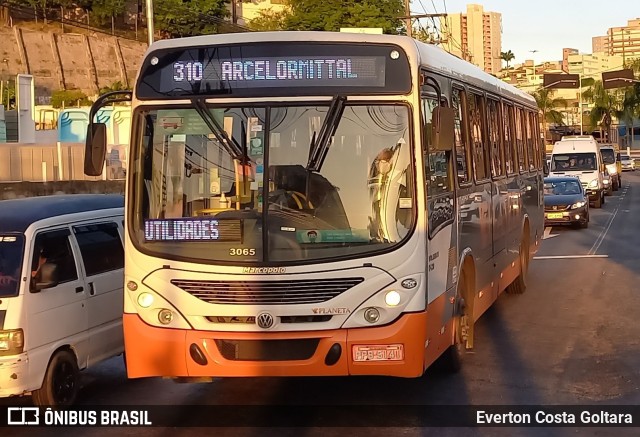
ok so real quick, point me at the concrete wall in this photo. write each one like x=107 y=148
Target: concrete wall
x=68 y=61
x=15 y=190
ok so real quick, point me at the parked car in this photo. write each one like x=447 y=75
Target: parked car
x=565 y=201
x=628 y=164
x=61 y=292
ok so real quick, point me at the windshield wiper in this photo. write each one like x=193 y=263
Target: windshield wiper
x=319 y=146
x=229 y=143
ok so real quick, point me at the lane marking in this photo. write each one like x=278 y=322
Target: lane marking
x=570 y=256
x=547 y=233
x=603 y=233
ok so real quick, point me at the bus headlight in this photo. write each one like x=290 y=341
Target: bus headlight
x=593 y=183
x=392 y=298
x=145 y=300
x=371 y=315
x=11 y=341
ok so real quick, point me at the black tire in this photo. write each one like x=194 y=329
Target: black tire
x=61 y=381
x=519 y=285
x=452 y=359
x=598 y=203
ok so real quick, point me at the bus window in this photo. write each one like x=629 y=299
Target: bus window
x=437 y=167
x=520 y=141
x=509 y=146
x=480 y=151
x=497 y=159
x=457 y=101
x=528 y=121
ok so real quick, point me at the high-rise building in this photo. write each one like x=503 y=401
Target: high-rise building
x=475 y=36
x=565 y=58
x=594 y=65
x=623 y=41
x=600 y=44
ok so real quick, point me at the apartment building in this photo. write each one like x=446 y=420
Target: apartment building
x=623 y=41
x=475 y=36
x=565 y=58
x=592 y=65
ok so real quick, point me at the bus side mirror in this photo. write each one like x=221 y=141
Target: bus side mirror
x=442 y=131
x=95 y=149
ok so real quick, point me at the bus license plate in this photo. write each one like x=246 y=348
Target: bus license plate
x=387 y=352
x=554 y=215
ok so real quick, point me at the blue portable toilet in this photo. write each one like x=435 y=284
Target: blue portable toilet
x=72 y=125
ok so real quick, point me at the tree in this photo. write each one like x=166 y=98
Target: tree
x=64 y=98
x=115 y=86
x=547 y=105
x=331 y=15
x=269 y=20
x=179 y=18
x=607 y=104
x=107 y=10
x=507 y=57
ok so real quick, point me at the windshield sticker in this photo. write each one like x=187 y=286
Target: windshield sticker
x=333 y=236
x=405 y=202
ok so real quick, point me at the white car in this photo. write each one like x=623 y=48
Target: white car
x=628 y=163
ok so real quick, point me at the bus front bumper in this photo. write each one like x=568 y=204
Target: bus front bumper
x=155 y=351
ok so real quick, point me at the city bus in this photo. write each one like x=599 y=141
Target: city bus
x=317 y=203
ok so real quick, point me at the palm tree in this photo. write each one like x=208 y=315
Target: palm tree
x=547 y=105
x=606 y=105
x=507 y=57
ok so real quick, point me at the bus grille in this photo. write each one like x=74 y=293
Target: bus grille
x=267 y=350
x=267 y=292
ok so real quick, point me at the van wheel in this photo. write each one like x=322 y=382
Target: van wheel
x=598 y=202
x=519 y=285
x=61 y=382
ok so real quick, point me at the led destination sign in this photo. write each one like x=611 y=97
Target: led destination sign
x=273 y=72
x=275 y=69
x=188 y=229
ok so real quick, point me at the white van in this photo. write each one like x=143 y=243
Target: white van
x=61 y=292
x=580 y=156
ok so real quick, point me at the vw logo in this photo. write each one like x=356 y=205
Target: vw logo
x=264 y=320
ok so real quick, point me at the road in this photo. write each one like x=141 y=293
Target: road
x=572 y=338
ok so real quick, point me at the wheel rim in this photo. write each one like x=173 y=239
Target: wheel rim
x=64 y=383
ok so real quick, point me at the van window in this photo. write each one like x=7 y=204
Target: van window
x=54 y=247
x=574 y=162
x=11 y=252
x=100 y=246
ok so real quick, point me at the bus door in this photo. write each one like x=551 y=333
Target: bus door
x=441 y=206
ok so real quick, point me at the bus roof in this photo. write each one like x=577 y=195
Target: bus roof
x=17 y=215
x=427 y=55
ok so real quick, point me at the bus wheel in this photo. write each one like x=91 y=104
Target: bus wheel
x=519 y=285
x=61 y=381
x=452 y=358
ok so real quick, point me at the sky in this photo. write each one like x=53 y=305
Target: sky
x=547 y=26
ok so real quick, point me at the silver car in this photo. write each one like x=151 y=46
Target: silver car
x=628 y=163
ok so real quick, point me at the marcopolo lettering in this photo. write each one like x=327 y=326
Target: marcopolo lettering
x=264 y=270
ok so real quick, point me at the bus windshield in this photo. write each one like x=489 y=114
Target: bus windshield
x=195 y=201
x=11 y=250
x=574 y=162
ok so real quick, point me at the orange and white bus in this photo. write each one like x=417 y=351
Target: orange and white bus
x=315 y=203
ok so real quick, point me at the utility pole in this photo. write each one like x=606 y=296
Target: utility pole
x=150 y=21
x=407 y=12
